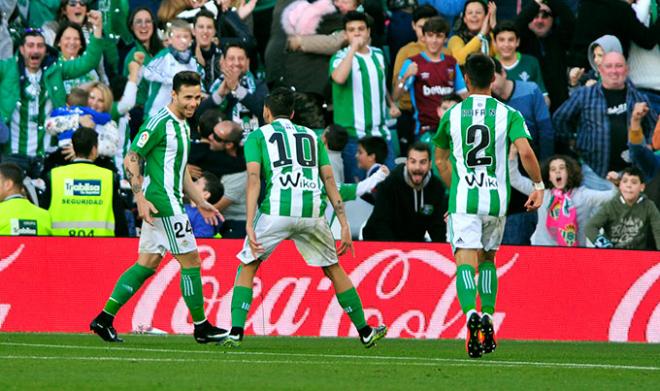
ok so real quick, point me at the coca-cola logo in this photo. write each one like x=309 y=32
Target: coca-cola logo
x=627 y=310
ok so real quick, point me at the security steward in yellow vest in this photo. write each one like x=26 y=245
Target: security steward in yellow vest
x=18 y=216
x=84 y=198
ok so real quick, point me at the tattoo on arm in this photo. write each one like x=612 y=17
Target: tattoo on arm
x=136 y=188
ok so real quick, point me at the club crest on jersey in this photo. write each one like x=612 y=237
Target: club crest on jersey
x=144 y=137
x=425 y=75
x=296 y=180
x=480 y=180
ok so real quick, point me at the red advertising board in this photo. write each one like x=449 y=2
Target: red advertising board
x=60 y=284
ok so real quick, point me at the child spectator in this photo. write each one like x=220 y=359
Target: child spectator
x=629 y=220
x=371 y=153
x=211 y=188
x=566 y=205
x=578 y=77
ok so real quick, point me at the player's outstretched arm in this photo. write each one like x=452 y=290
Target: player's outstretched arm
x=208 y=211
x=133 y=164
x=338 y=205
x=253 y=190
x=443 y=164
x=532 y=168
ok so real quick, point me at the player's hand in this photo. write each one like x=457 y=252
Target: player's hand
x=210 y=214
x=534 y=201
x=145 y=208
x=195 y=171
x=256 y=247
x=346 y=241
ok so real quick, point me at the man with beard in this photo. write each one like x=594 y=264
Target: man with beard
x=410 y=203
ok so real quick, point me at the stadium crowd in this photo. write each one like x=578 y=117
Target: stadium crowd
x=372 y=78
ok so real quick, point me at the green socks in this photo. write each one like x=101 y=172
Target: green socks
x=126 y=286
x=467 y=292
x=191 y=290
x=240 y=305
x=350 y=302
x=487 y=287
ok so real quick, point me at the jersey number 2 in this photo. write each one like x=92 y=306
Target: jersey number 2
x=473 y=159
x=284 y=160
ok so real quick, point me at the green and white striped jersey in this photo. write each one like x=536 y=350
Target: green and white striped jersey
x=359 y=104
x=291 y=157
x=478 y=132
x=28 y=135
x=163 y=141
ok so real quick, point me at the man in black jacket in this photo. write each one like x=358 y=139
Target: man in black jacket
x=409 y=203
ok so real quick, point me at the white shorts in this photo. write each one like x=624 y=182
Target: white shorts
x=311 y=235
x=173 y=234
x=475 y=232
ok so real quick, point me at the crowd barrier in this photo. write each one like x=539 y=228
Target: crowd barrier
x=60 y=284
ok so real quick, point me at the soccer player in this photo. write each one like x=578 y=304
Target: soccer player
x=296 y=168
x=163 y=143
x=475 y=136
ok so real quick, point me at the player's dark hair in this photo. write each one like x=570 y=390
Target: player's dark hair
x=213 y=186
x=480 y=69
x=84 y=140
x=186 y=78
x=633 y=171
x=357 y=16
x=208 y=120
x=453 y=97
x=424 y=11
x=12 y=172
x=437 y=25
x=573 y=172
x=419 y=146
x=375 y=145
x=280 y=102
x=337 y=137
x=506 y=25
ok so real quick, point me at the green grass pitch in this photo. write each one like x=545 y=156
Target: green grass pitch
x=78 y=362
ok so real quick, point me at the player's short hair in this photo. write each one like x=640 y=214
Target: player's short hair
x=453 y=97
x=208 y=120
x=424 y=11
x=204 y=13
x=419 y=146
x=213 y=186
x=12 y=172
x=280 y=102
x=357 y=16
x=186 y=78
x=77 y=97
x=375 y=145
x=336 y=136
x=573 y=171
x=633 y=171
x=437 y=25
x=506 y=25
x=84 y=139
x=480 y=69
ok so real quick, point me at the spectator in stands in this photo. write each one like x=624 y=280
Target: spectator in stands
x=70 y=42
x=518 y=66
x=308 y=111
x=207 y=52
x=335 y=138
x=527 y=99
x=429 y=76
x=401 y=27
x=448 y=9
x=34 y=79
x=629 y=220
x=371 y=154
x=359 y=107
x=211 y=189
x=546 y=30
x=18 y=216
x=566 y=207
x=644 y=63
x=641 y=154
x=598 y=116
x=605 y=44
x=84 y=198
x=410 y=203
x=238 y=93
x=474 y=33
x=405 y=124
x=600 y=17
x=142 y=23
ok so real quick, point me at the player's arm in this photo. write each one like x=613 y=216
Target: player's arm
x=253 y=189
x=338 y=204
x=443 y=164
x=134 y=164
x=532 y=168
x=208 y=211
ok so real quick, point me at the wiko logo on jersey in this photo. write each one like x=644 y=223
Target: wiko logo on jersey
x=481 y=180
x=82 y=187
x=21 y=227
x=288 y=180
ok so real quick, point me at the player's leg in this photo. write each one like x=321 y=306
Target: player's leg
x=127 y=285
x=241 y=300
x=191 y=290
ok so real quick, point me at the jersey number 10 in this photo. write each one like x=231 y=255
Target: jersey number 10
x=301 y=139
